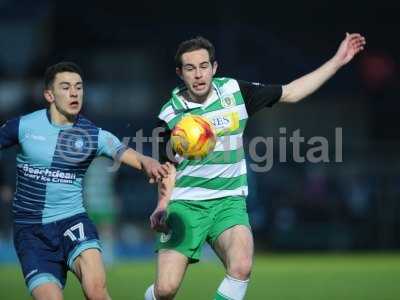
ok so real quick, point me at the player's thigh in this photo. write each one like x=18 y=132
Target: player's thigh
x=82 y=247
x=235 y=248
x=47 y=291
x=171 y=268
x=89 y=267
x=231 y=235
x=79 y=234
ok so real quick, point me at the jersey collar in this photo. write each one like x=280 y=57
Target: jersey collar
x=180 y=104
x=61 y=126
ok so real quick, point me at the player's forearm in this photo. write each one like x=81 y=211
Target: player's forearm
x=132 y=158
x=308 y=84
x=165 y=187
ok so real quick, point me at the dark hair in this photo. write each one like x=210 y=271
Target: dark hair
x=64 y=66
x=196 y=43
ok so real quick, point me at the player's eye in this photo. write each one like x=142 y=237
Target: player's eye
x=204 y=66
x=189 y=68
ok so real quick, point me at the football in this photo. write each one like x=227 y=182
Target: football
x=193 y=137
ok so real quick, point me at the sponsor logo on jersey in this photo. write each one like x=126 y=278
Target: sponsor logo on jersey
x=47 y=175
x=226 y=123
x=221 y=122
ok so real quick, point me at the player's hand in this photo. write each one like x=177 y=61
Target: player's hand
x=352 y=44
x=154 y=170
x=158 y=219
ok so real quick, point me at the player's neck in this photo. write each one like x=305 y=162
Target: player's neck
x=188 y=96
x=58 y=118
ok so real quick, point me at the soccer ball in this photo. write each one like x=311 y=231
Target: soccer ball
x=193 y=137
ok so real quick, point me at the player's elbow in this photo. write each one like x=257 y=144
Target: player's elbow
x=289 y=94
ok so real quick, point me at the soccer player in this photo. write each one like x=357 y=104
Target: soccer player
x=206 y=202
x=52 y=232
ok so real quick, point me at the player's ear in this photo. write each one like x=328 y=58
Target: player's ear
x=48 y=95
x=215 y=67
x=178 y=72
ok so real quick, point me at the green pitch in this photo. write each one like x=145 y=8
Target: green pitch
x=277 y=277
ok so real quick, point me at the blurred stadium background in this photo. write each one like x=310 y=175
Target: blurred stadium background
x=316 y=209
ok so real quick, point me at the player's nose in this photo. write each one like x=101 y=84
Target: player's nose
x=73 y=92
x=198 y=73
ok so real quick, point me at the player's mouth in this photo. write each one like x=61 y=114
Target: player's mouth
x=199 y=86
x=74 y=104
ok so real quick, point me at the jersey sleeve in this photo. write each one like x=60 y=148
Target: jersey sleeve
x=165 y=152
x=257 y=96
x=9 y=132
x=109 y=145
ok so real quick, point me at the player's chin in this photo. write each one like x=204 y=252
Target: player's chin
x=74 y=111
x=201 y=93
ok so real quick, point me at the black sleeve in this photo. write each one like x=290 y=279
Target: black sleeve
x=9 y=133
x=165 y=152
x=257 y=96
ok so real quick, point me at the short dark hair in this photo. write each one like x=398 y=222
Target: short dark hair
x=193 y=44
x=64 y=66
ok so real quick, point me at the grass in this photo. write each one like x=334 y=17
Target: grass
x=277 y=277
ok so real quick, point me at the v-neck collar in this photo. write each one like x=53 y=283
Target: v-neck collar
x=59 y=126
x=181 y=104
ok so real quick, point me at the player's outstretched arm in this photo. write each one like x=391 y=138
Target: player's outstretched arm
x=165 y=187
x=302 y=87
x=153 y=169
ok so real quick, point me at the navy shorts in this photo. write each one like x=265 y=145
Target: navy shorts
x=47 y=251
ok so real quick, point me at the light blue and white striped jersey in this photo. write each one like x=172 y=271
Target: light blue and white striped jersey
x=51 y=163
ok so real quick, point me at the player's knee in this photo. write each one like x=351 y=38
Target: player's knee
x=47 y=292
x=97 y=290
x=97 y=294
x=241 y=269
x=165 y=291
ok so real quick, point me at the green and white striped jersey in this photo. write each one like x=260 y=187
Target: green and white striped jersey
x=222 y=173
